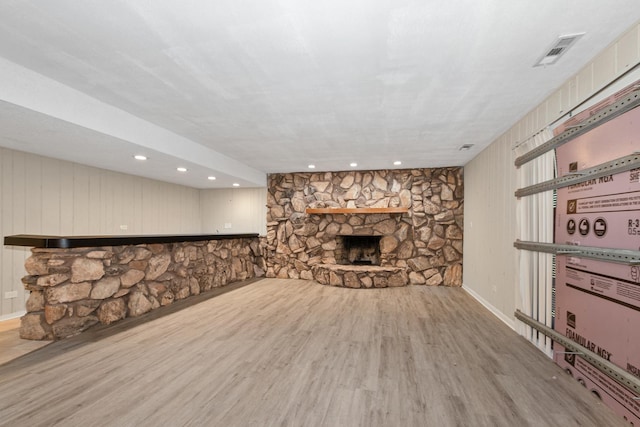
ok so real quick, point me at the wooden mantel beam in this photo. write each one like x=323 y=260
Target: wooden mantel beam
x=320 y=211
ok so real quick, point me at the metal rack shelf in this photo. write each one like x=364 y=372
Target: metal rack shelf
x=612 y=371
x=622 y=164
x=629 y=102
x=621 y=256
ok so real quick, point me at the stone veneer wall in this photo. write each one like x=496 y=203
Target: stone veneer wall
x=426 y=241
x=73 y=289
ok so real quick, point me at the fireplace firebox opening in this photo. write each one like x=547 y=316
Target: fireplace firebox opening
x=359 y=250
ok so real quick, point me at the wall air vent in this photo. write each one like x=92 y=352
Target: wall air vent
x=557 y=49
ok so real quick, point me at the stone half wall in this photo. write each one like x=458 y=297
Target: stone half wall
x=426 y=242
x=73 y=289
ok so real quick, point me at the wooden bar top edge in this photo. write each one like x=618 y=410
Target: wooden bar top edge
x=67 y=242
x=356 y=210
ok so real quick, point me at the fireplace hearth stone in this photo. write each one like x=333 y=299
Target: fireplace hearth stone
x=360 y=276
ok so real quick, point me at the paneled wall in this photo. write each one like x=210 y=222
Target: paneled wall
x=243 y=209
x=490 y=228
x=489 y=264
x=39 y=195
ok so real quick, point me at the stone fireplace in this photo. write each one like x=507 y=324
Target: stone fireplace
x=415 y=216
x=358 y=250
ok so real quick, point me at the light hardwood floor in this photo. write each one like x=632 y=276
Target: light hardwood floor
x=295 y=353
x=11 y=345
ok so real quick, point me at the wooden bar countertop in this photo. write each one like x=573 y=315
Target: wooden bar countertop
x=67 y=242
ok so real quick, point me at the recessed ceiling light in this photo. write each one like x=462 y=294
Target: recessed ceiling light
x=465 y=147
x=353 y=164
x=140 y=157
x=235 y=184
x=211 y=178
x=181 y=169
x=397 y=163
x=311 y=166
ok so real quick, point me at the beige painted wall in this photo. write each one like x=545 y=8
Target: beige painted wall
x=244 y=209
x=39 y=195
x=489 y=228
x=489 y=255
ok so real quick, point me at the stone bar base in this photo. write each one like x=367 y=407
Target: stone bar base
x=73 y=289
x=360 y=276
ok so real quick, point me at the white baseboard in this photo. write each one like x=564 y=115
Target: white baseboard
x=13 y=315
x=500 y=315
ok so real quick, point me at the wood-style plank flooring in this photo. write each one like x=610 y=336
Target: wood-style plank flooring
x=11 y=345
x=295 y=353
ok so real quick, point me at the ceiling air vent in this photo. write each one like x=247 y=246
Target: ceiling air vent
x=557 y=49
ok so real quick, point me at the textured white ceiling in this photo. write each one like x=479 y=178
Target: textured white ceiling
x=238 y=89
